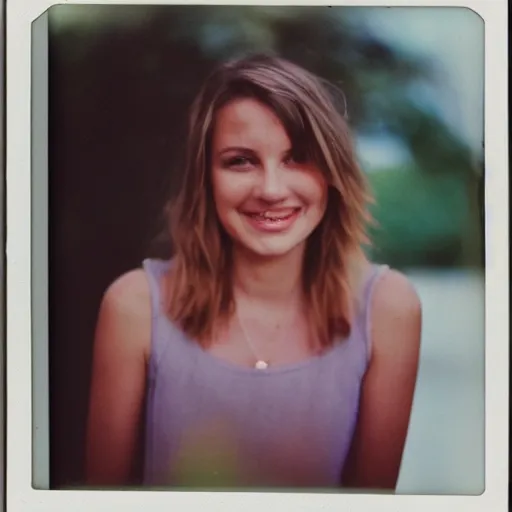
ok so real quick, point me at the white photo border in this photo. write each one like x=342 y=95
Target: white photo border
x=22 y=497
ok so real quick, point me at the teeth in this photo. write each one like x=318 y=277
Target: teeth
x=273 y=216
x=266 y=216
x=269 y=216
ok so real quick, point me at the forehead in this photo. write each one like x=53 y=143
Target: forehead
x=248 y=122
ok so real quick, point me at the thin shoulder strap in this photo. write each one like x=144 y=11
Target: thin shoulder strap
x=376 y=272
x=155 y=270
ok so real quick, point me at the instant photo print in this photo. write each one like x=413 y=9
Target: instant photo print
x=256 y=256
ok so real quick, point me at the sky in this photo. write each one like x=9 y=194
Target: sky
x=453 y=37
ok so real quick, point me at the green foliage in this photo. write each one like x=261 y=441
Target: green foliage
x=421 y=218
x=428 y=214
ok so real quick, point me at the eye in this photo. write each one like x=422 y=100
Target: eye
x=238 y=162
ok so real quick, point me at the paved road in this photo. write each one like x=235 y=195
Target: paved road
x=445 y=447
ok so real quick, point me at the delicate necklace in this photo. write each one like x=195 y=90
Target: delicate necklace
x=261 y=364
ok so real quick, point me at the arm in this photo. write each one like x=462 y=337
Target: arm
x=121 y=349
x=388 y=388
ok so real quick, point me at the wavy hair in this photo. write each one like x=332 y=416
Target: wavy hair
x=199 y=294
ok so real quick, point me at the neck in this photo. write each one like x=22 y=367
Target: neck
x=270 y=280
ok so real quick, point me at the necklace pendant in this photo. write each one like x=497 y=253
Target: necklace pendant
x=261 y=365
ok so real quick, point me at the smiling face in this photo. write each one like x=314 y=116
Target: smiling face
x=267 y=200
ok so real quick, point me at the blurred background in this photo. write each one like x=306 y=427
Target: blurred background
x=121 y=80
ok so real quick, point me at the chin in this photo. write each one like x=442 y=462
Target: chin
x=274 y=249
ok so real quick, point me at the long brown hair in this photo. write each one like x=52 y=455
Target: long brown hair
x=199 y=296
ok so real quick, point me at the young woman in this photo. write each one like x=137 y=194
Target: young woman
x=268 y=351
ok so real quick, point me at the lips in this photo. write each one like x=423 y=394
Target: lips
x=273 y=220
x=274 y=215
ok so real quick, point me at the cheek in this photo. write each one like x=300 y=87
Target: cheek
x=221 y=191
x=228 y=193
x=315 y=192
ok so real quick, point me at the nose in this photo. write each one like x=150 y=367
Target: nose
x=271 y=186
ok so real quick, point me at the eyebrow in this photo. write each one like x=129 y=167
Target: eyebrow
x=242 y=149
x=239 y=149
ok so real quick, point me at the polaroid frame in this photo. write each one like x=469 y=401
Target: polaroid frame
x=27 y=283
x=3 y=259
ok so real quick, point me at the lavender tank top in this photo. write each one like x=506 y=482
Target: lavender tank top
x=210 y=423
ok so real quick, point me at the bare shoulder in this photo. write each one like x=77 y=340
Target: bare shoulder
x=118 y=378
x=125 y=310
x=395 y=294
x=396 y=312
x=129 y=292
x=388 y=387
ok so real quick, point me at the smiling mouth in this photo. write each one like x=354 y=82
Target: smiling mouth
x=274 y=216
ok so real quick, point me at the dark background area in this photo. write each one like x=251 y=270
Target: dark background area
x=121 y=81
